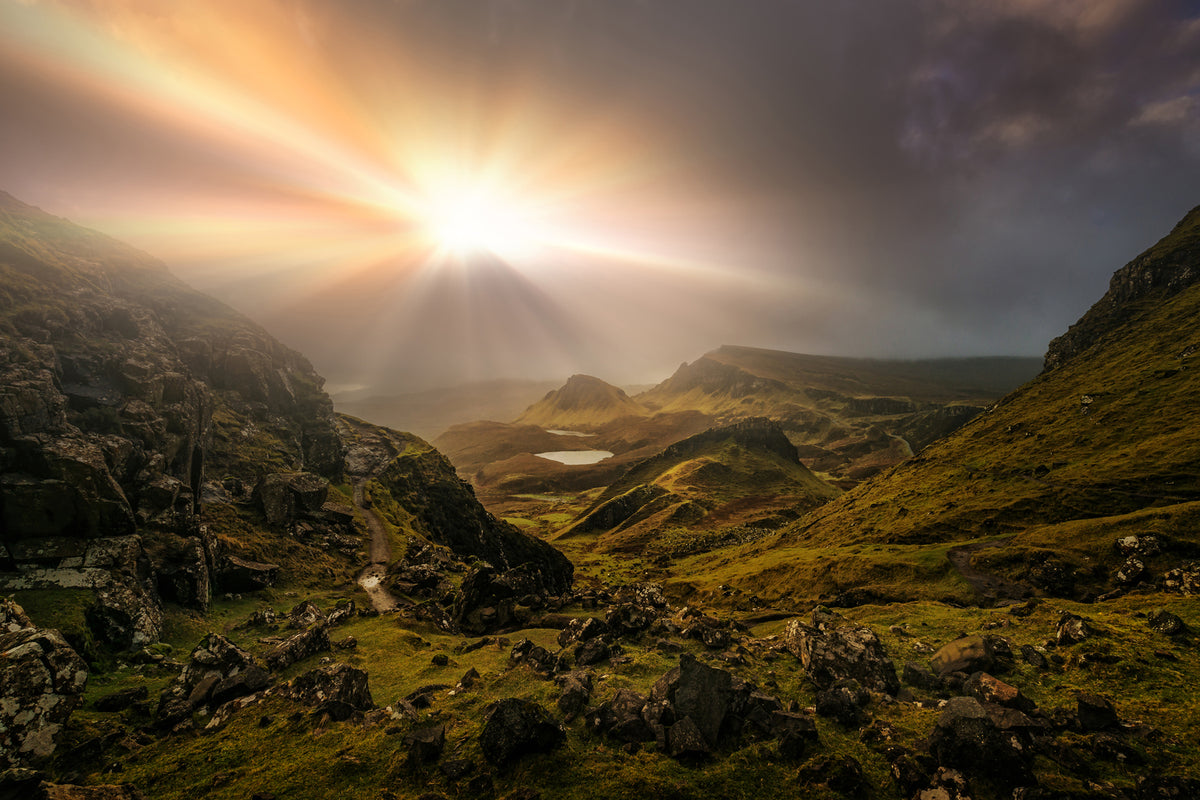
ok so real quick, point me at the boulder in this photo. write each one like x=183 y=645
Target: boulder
x=593 y=651
x=987 y=689
x=1073 y=629
x=622 y=718
x=283 y=496
x=968 y=739
x=41 y=680
x=425 y=745
x=515 y=727
x=968 y=654
x=844 y=702
x=576 y=691
x=582 y=630
x=238 y=574
x=697 y=692
x=338 y=690
x=831 y=653
x=305 y=614
x=1164 y=621
x=686 y=741
x=218 y=671
x=1184 y=579
x=1095 y=712
x=298 y=647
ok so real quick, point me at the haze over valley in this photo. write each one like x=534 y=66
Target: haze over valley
x=514 y=399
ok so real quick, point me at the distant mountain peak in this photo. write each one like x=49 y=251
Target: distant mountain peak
x=583 y=400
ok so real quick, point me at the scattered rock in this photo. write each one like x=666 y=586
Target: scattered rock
x=218 y=671
x=425 y=745
x=1184 y=579
x=967 y=738
x=987 y=689
x=686 y=741
x=42 y=679
x=1073 y=629
x=697 y=692
x=1033 y=657
x=338 y=690
x=514 y=727
x=622 y=718
x=119 y=701
x=844 y=703
x=968 y=654
x=1132 y=571
x=576 y=691
x=298 y=647
x=830 y=653
x=1095 y=712
x=842 y=774
x=1164 y=621
x=304 y=615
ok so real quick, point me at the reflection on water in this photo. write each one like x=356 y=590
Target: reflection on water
x=568 y=433
x=576 y=457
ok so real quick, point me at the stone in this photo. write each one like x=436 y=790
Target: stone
x=968 y=654
x=43 y=680
x=12 y=616
x=967 y=739
x=830 y=652
x=622 y=717
x=304 y=615
x=1164 y=621
x=515 y=727
x=920 y=677
x=238 y=574
x=576 y=691
x=342 y=613
x=1095 y=712
x=686 y=741
x=1132 y=571
x=1033 y=657
x=283 y=496
x=843 y=702
x=1184 y=579
x=298 y=647
x=1073 y=629
x=217 y=671
x=988 y=689
x=425 y=745
x=582 y=630
x=339 y=690
x=592 y=651
x=698 y=692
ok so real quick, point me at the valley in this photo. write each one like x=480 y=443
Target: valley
x=794 y=576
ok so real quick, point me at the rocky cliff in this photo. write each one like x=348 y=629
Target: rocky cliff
x=155 y=444
x=1161 y=272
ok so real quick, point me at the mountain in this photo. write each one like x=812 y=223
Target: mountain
x=1101 y=445
x=739 y=479
x=582 y=402
x=158 y=447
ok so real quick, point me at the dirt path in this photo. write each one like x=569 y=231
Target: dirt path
x=371 y=578
x=987 y=586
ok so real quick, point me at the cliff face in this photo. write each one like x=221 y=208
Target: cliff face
x=1166 y=269
x=157 y=445
x=121 y=390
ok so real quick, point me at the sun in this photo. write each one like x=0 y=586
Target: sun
x=470 y=220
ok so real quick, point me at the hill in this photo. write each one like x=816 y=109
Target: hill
x=582 y=402
x=742 y=476
x=1101 y=445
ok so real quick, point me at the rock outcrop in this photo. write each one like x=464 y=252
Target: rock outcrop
x=41 y=683
x=218 y=671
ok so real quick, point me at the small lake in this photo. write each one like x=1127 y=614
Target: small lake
x=576 y=458
x=568 y=433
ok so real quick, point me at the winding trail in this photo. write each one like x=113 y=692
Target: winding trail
x=371 y=578
x=987 y=586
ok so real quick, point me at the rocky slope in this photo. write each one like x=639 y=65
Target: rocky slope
x=1102 y=446
x=155 y=445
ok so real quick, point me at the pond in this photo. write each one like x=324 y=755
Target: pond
x=576 y=457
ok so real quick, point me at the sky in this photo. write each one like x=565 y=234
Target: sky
x=417 y=193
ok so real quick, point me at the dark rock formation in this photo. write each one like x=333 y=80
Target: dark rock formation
x=338 y=690
x=980 y=739
x=218 y=671
x=514 y=727
x=1164 y=270
x=41 y=680
x=830 y=652
x=299 y=646
x=968 y=654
